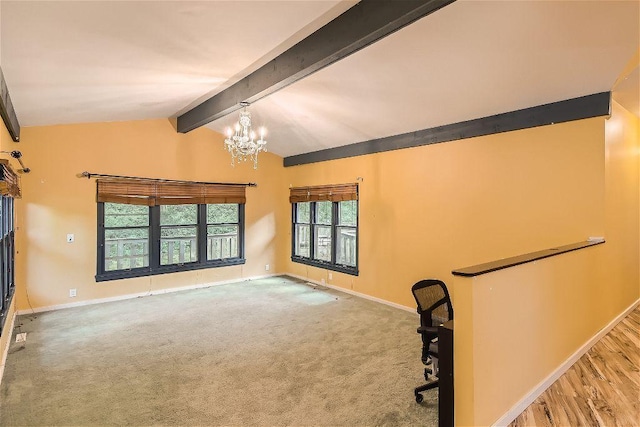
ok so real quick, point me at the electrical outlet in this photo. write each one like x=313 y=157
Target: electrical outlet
x=322 y=281
x=330 y=276
x=70 y=238
x=73 y=293
x=266 y=267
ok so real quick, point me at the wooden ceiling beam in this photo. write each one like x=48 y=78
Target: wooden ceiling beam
x=584 y=107
x=7 y=112
x=363 y=24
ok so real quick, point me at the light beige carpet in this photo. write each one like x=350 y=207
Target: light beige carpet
x=270 y=352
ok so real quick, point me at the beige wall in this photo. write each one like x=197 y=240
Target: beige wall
x=515 y=327
x=428 y=210
x=56 y=202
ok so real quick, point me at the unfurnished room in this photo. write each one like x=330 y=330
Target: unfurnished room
x=320 y=213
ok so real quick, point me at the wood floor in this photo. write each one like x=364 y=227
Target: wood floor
x=601 y=389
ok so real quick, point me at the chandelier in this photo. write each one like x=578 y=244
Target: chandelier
x=241 y=144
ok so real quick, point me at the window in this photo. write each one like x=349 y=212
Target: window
x=325 y=228
x=302 y=230
x=126 y=236
x=223 y=231
x=7 y=283
x=178 y=234
x=347 y=233
x=9 y=189
x=156 y=235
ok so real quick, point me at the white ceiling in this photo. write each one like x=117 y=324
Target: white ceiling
x=70 y=62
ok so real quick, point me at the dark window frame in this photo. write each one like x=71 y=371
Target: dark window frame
x=7 y=258
x=181 y=226
x=310 y=260
x=204 y=219
x=155 y=268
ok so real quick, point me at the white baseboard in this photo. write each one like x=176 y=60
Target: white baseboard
x=523 y=404
x=139 y=294
x=205 y=285
x=357 y=294
x=5 y=353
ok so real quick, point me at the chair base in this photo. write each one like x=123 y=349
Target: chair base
x=428 y=386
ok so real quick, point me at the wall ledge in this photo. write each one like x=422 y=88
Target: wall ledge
x=488 y=267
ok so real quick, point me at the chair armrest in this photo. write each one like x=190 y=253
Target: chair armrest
x=428 y=330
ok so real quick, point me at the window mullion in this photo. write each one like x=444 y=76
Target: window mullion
x=294 y=222
x=334 y=230
x=312 y=230
x=12 y=234
x=241 y=230
x=154 y=237
x=202 y=234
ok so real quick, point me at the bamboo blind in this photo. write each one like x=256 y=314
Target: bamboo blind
x=332 y=193
x=9 y=183
x=155 y=192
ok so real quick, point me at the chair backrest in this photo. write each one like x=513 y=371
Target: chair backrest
x=434 y=303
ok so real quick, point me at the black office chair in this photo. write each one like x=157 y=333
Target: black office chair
x=434 y=308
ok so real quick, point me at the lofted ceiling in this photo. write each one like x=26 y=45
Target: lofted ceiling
x=96 y=61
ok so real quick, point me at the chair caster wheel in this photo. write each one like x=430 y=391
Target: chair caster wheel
x=419 y=398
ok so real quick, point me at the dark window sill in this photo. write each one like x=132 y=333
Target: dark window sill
x=146 y=271
x=326 y=265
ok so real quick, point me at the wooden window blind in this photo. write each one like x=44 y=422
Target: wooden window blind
x=332 y=193
x=9 y=184
x=153 y=192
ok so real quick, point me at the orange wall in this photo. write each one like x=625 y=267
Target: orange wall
x=538 y=314
x=428 y=210
x=56 y=202
x=622 y=216
x=423 y=211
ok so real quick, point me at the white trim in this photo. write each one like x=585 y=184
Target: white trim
x=524 y=403
x=351 y=292
x=205 y=285
x=138 y=295
x=5 y=353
